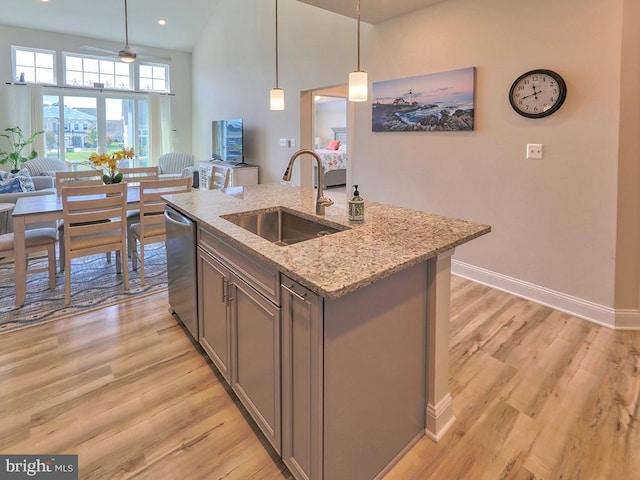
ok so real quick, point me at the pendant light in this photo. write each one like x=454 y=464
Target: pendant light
x=276 y=96
x=358 y=80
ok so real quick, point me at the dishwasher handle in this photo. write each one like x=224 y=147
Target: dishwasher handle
x=176 y=218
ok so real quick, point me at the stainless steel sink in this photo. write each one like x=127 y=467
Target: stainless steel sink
x=283 y=226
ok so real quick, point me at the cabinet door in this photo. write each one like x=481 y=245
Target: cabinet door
x=213 y=317
x=302 y=389
x=256 y=356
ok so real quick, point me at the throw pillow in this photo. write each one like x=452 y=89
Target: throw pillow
x=333 y=145
x=16 y=182
x=10 y=186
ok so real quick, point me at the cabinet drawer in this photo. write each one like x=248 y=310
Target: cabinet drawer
x=263 y=278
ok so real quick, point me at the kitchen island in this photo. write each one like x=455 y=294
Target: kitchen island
x=337 y=345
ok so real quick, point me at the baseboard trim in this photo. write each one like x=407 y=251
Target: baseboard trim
x=620 y=319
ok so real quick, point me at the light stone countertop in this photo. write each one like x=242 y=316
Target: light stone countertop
x=390 y=238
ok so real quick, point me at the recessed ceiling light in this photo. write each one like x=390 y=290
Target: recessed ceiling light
x=44 y=1
x=162 y=21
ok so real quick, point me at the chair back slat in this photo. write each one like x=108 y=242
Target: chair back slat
x=136 y=174
x=78 y=178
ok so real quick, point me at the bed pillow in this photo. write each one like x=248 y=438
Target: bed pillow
x=343 y=147
x=333 y=145
x=16 y=182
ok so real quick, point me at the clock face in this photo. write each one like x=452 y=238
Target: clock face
x=537 y=93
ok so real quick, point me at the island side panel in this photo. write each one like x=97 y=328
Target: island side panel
x=374 y=375
x=439 y=414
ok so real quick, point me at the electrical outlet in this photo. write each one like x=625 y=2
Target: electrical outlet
x=292 y=143
x=283 y=142
x=534 y=151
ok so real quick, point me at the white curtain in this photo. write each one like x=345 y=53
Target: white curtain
x=160 y=131
x=21 y=106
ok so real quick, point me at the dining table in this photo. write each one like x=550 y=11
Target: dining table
x=43 y=208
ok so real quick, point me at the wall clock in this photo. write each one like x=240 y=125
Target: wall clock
x=538 y=93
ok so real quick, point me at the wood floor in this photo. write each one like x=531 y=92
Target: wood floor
x=537 y=395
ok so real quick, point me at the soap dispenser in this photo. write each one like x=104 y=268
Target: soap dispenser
x=356 y=206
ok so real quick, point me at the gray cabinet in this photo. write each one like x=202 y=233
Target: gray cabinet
x=353 y=377
x=301 y=380
x=255 y=376
x=213 y=318
x=239 y=322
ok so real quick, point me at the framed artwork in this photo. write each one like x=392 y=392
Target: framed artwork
x=437 y=102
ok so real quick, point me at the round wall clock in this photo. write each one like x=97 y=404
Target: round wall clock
x=537 y=93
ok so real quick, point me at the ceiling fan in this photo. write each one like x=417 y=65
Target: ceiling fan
x=127 y=53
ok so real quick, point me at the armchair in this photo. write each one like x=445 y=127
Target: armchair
x=175 y=165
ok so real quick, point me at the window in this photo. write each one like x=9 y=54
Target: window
x=154 y=77
x=77 y=125
x=32 y=65
x=85 y=71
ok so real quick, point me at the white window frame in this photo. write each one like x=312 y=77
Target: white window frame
x=14 y=68
x=167 y=72
x=99 y=74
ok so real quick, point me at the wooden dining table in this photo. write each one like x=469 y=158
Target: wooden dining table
x=43 y=208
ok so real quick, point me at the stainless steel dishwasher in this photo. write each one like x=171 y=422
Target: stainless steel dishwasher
x=181 y=268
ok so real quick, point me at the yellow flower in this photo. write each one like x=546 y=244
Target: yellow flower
x=108 y=163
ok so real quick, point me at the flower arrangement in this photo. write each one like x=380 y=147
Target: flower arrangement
x=108 y=163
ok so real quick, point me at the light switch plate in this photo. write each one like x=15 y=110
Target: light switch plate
x=535 y=151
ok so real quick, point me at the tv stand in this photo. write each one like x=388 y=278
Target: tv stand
x=242 y=174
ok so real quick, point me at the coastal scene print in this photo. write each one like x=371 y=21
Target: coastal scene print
x=436 y=102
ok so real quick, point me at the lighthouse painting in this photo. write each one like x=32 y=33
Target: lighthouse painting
x=434 y=102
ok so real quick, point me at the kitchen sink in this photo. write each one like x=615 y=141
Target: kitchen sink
x=282 y=226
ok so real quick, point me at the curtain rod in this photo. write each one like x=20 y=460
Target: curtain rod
x=92 y=89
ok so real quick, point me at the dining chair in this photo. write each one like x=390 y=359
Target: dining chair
x=96 y=221
x=220 y=177
x=37 y=240
x=151 y=228
x=77 y=178
x=133 y=176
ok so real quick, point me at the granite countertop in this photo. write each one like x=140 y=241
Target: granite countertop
x=390 y=238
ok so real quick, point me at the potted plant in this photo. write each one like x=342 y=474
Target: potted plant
x=17 y=143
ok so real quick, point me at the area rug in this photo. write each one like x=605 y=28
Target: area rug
x=94 y=284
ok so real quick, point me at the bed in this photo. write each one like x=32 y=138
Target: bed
x=334 y=162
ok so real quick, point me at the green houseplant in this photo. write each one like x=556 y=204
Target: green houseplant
x=17 y=143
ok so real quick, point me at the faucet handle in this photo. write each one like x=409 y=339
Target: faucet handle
x=327 y=202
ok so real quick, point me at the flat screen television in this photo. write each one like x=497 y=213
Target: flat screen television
x=226 y=140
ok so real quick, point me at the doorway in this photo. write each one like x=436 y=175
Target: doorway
x=325 y=127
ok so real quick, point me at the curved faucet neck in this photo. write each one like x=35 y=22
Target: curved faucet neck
x=321 y=200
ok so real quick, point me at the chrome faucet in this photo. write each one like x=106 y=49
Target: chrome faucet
x=321 y=200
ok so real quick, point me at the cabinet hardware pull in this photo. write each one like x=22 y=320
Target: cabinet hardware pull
x=293 y=292
x=224 y=289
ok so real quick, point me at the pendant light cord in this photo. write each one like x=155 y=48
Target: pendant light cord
x=276 y=43
x=358 y=18
x=126 y=24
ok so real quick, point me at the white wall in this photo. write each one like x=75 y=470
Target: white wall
x=329 y=114
x=180 y=69
x=234 y=69
x=554 y=220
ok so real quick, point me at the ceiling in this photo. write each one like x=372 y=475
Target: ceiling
x=185 y=18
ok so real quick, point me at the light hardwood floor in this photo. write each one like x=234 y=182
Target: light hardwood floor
x=537 y=394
